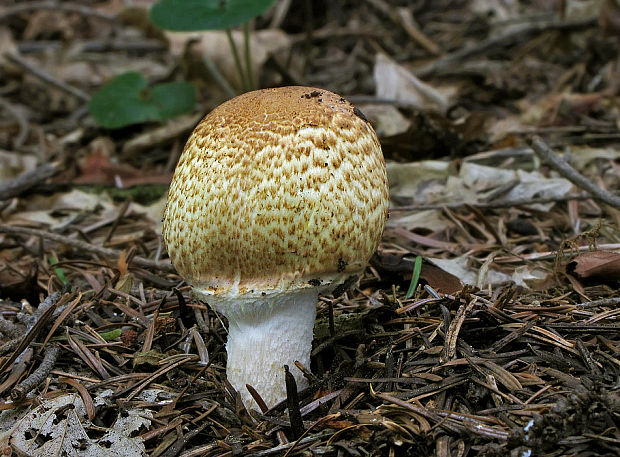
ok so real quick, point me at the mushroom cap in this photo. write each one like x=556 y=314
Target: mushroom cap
x=277 y=189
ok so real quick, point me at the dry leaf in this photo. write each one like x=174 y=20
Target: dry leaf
x=63 y=424
x=386 y=119
x=60 y=209
x=603 y=265
x=423 y=181
x=394 y=82
x=13 y=164
x=440 y=280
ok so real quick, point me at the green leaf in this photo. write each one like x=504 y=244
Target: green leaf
x=111 y=335
x=173 y=98
x=59 y=273
x=125 y=100
x=188 y=15
x=415 y=277
x=119 y=103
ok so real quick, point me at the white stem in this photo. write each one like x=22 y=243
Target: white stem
x=266 y=332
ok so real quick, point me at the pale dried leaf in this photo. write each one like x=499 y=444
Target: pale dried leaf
x=499 y=10
x=466 y=271
x=432 y=220
x=414 y=179
x=13 y=164
x=386 y=119
x=581 y=156
x=532 y=184
x=59 y=426
x=582 y=9
x=59 y=209
x=394 y=82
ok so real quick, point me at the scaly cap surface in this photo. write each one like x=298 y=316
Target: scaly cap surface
x=277 y=189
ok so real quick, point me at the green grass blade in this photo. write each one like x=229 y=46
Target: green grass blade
x=59 y=273
x=415 y=277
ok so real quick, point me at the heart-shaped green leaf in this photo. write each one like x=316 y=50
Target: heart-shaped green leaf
x=125 y=100
x=188 y=15
x=173 y=98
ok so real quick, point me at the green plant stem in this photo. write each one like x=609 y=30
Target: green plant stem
x=233 y=48
x=218 y=76
x=248 y=56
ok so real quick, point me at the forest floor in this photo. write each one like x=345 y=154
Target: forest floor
x=500 y=125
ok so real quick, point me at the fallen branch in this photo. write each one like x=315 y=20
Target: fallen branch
x=46 y=77
x=495 y=204
x=55 y=5
x=19 y=185
x=20 y=391
x=561 y=166
x=9 y=329
x=84 y=246
x=509 y=38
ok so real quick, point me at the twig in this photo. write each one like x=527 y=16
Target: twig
x=283 y=447
x=561 y=166
x=137 y=45
x=22 y=122
x=9 y=329
x=117 y=220
x=182 y=440
x=506 y=39
x=166 y=133
x=553 y=254
x=601 y=302
x=402 y=18
x=496 y=203
x=46 y=77
x=450 y=427
x=332 y=32
x=68 y=7
x=84 y=246
x=9 y=346
x=28 y=338
x=161 y=371
x=28 y=180
x=31 y=319
x=20 y=391
x=280 y=10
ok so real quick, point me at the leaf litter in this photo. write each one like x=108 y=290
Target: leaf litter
x=509 y=344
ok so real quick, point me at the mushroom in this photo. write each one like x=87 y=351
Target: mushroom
x=280 y=195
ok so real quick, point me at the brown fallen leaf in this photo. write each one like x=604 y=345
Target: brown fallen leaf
x=440 y=280
x=97 y=168
x=604 y=265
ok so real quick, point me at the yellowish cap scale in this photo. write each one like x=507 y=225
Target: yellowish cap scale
x=278 y=191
